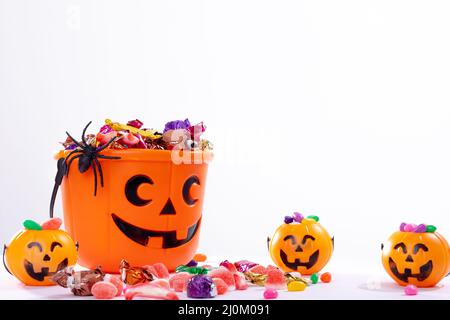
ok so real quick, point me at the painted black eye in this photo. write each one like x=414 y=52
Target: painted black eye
x=400 y=245
x=187 y=188
x=54 y=245
x=290 y=237
x=420 y=246
x=35 y=244
x=131 y=190
x=306 y=237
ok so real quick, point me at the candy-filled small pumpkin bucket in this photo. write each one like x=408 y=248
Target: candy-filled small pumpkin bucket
x=149 y=209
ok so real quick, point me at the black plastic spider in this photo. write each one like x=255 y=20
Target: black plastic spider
x=87 y=156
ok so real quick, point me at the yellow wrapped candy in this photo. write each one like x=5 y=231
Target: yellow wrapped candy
x=145 y=133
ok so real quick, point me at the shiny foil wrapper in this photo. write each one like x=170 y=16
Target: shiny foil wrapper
x=133 y=275
x=79 y=282
x=290 y=277
x=256 y=278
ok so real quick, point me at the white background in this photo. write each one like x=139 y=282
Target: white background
x=334 y=108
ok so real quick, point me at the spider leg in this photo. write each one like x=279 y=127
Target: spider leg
x=94 y=171
x=74 y=141
x=107 y=157
x=72 y=152
x=106 y=145
x=70 y=163
x=100 y=171
x=83 y=136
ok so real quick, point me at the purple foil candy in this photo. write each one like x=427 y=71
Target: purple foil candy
x=71 y=147
x=402 y=226
x=288 y=219
x=177 y=124
x=201 y=286
x=420 y=228
x=298 y=217
x=244 y=265
x=192 y=263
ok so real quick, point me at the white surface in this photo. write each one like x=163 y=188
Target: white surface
x=343 y=286
x=334 y=108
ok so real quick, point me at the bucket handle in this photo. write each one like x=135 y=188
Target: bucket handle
x=4 y=262
x=61 y=171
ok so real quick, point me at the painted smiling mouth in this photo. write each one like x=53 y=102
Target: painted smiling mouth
x=297 y=263
x=424 y=271
x=142 y=236
x=39 y=276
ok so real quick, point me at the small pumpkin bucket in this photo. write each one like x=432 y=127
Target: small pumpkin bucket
x=149 y=209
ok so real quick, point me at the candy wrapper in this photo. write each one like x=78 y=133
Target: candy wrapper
x=79 y=282
x=244 y=265
x=201 y=286
x=132 y=135
x=134 y=275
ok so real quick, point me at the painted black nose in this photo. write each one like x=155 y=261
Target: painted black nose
x=409 y=258
x=46 y=257
x=168 y=208
x=299 y=249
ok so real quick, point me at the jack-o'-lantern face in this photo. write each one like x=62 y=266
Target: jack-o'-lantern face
x=305 y=247
x=418 y=258
x=148 y=211
x=165 y=239
x=33 y=256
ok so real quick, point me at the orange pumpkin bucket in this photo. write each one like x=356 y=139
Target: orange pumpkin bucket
x=147 y=203
x=149 y=210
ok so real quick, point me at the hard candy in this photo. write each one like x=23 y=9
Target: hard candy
x=296 y=286
x=200 y=257
x=314 y=278
x=270 y=294
x=411 y=290
x=326 y=277
x=298 y=217
x=288 y=219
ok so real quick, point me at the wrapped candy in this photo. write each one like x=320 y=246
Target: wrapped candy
x=131 y=135
x=177 y=124
x=191 y=270
x=244 y=265
x=135 y=123
x=79 y=282
x=256 y=278
x=201 y=286
x=133 y=275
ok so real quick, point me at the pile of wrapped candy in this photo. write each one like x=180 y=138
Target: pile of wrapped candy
x=195 y=280
x=176 y=134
